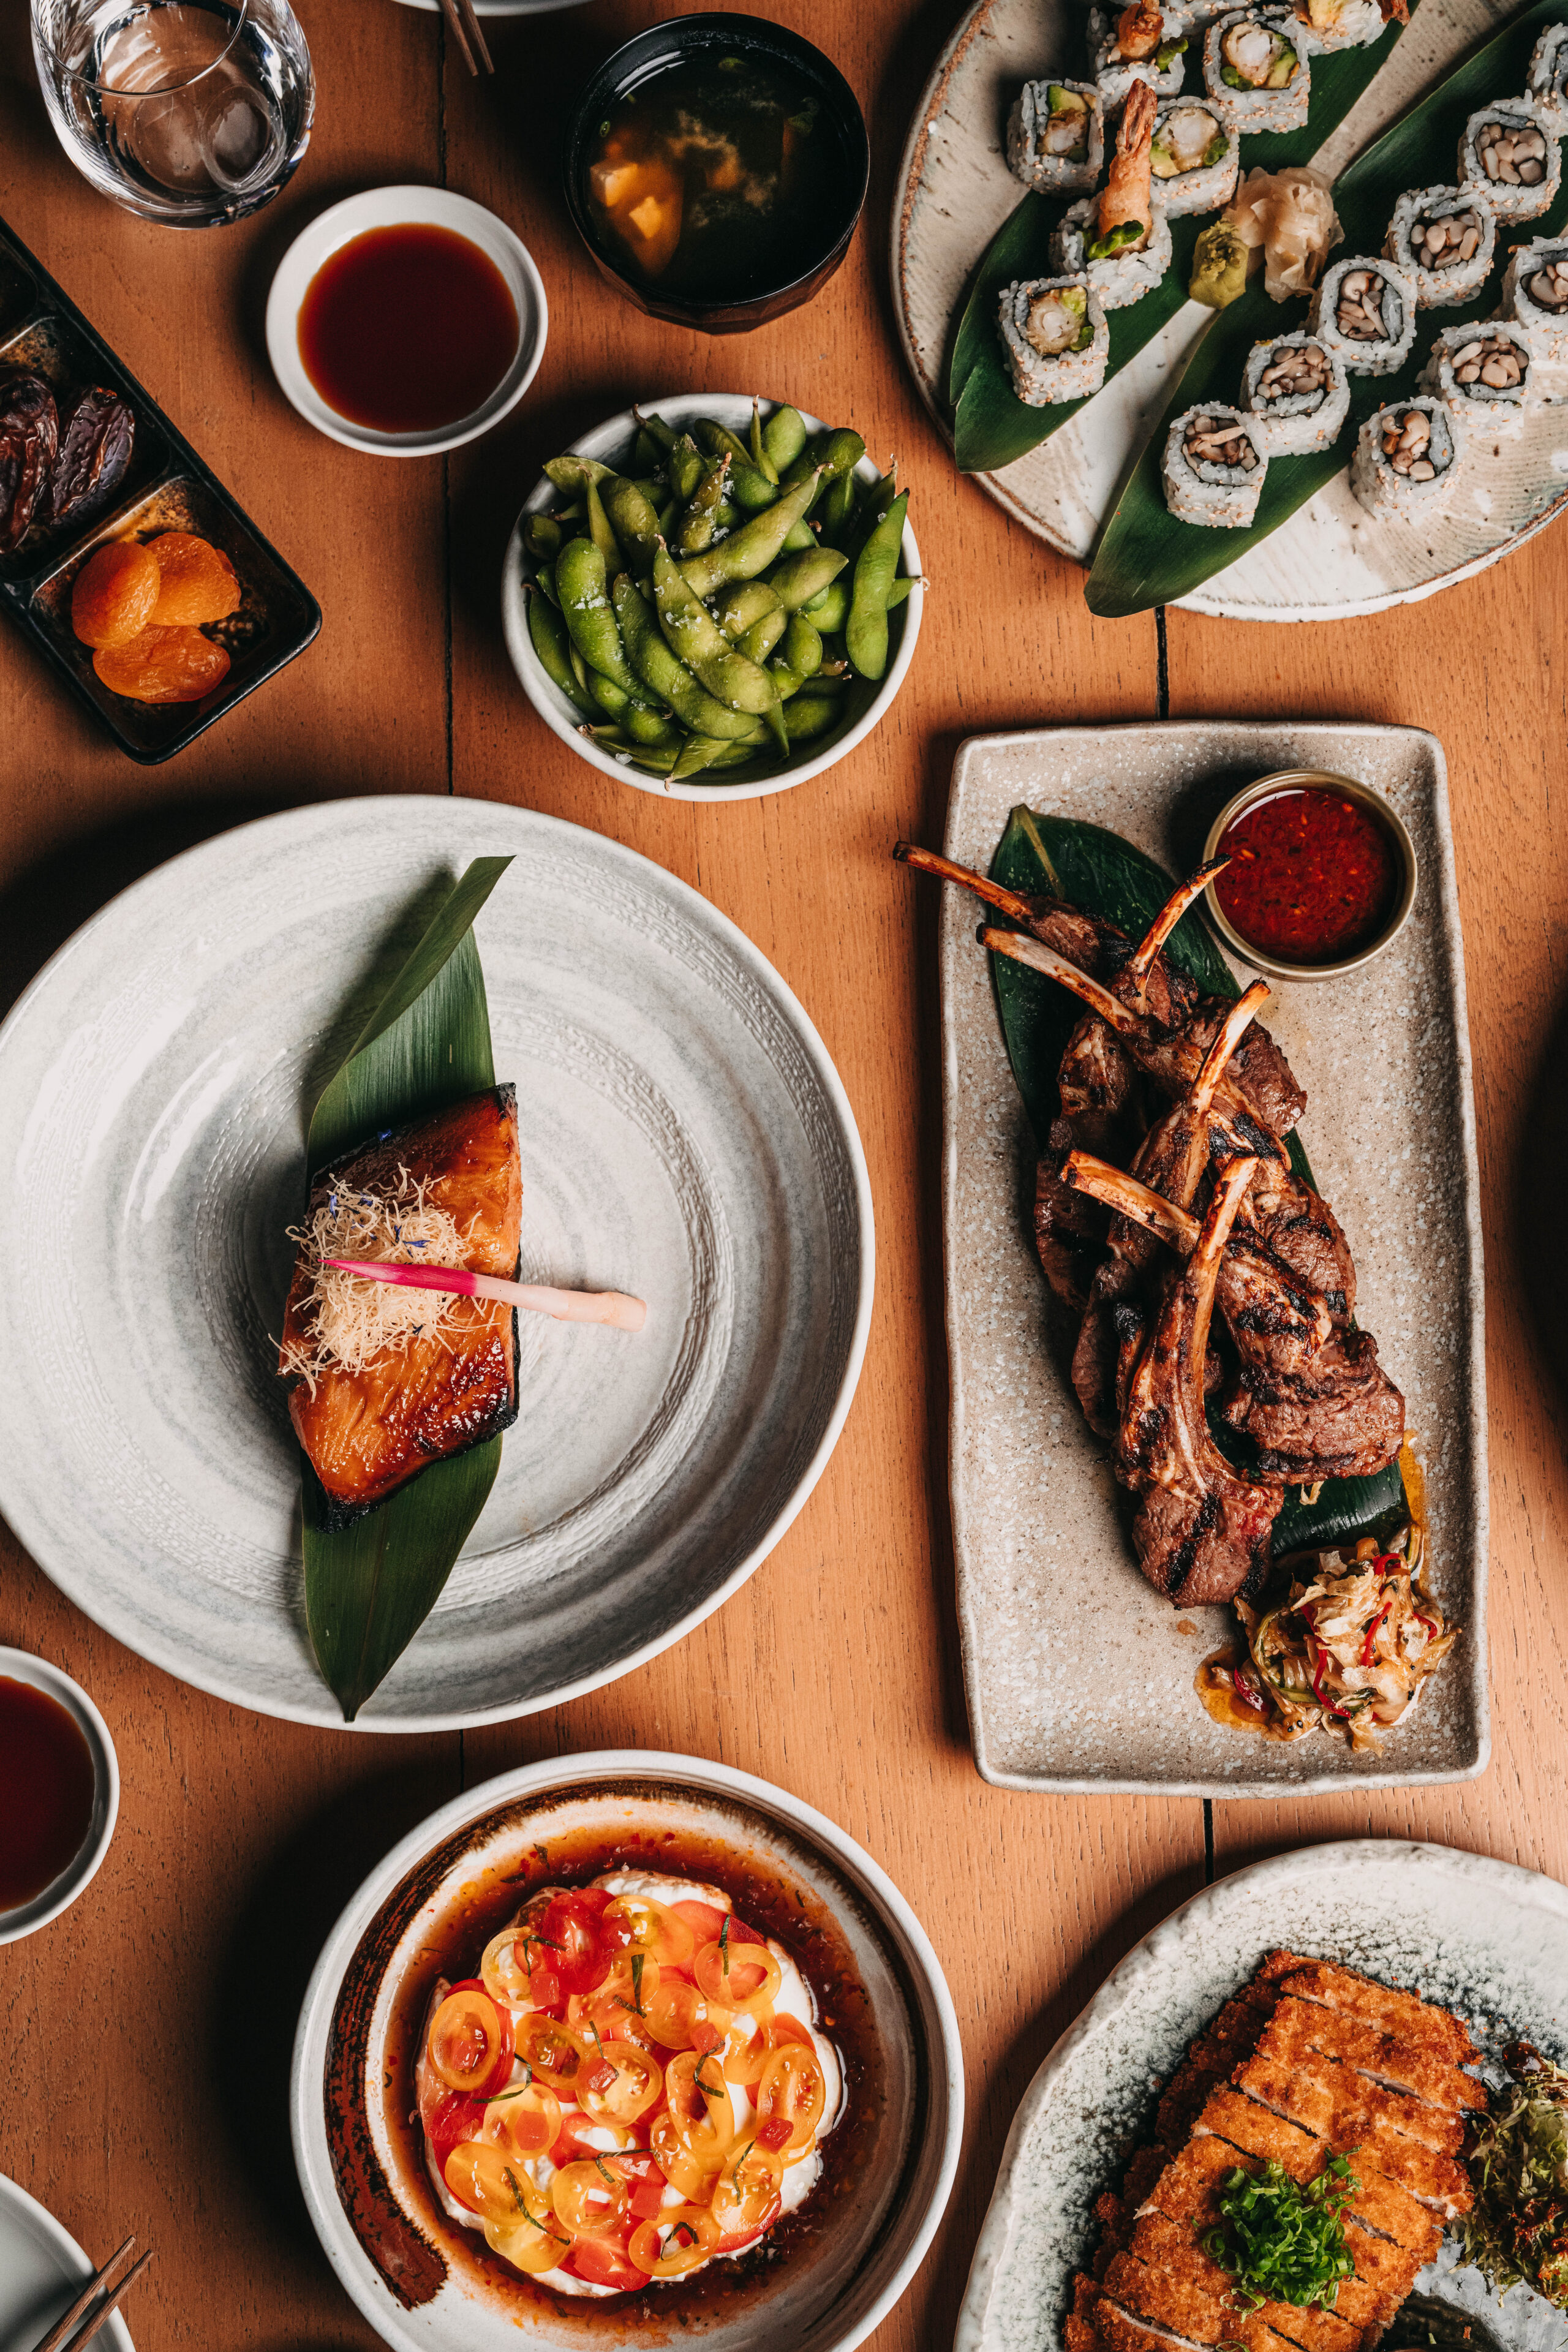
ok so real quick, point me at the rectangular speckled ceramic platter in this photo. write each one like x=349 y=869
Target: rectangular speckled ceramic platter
x=1078 y=1675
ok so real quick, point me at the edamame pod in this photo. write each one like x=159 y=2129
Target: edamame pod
x=574 y=474
x=600 y=533
x=686 y=466
x=759 y=458
x=799 y=578
x=828 y=612
x=699 y=751
x=580 y=578
x=749 y=487
x=806 y=716
x=747 y=552
x=665 y=676
x=695 y=636
x=547 y=634
x=835 y=452
x=633 y=520
x=739 y=607
x=544 y=578
x=542 y=536
x=837 y=507
x=647 y=454
x=783 y=438
x=663 y=437
x=758 y=640
x=866 y=632
x=657 y=759
x=903 y=581
x=697 y=525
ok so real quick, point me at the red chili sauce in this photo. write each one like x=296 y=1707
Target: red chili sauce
x=46 y=1791
x=407 y=330
x=1313 y=876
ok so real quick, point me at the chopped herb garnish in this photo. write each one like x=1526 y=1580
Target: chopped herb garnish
x=1519 y=2229
x=1283 y=2241
x=724 y=1949
x=604 y=2171
x=637 y=1961
x=706 y=2088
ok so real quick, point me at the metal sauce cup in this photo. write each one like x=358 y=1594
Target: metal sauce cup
x=1293 y=780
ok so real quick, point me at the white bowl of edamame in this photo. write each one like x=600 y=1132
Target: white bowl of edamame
x=761 y=601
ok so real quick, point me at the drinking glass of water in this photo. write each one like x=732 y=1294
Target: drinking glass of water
x=193 y=112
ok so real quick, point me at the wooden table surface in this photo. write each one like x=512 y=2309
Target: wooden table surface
x=149 y=2029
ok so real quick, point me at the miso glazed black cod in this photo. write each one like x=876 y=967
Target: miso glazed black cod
x=383 y=1381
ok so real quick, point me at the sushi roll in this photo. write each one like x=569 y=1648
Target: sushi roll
x=1509 y=152
x=1255 y=70
x=1484 y=370
x=1141 y=44
x=1299 y=392
x=1535 y=295
x=1195 y=158
x=1365 y=313
x=1406 y=457
x=1056 y=135
x=1547 y=81
x=1214 y=467
x=1055 y=339
x=1446 y=241
x=1120 y=239
x=1328 y=25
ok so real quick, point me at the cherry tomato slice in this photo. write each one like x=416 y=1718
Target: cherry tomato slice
x=590 y=2199
x=680 y=2017
x=582 y=2139
x=635 y=1923
x=470 y=2042
x=646 y=2181
x=624 y=2085
x=792 y=2093
x=682 y=2239
x=747 y=2048
x=524 y=2120
x=450 y=2121
x=746 y=2193
x=557 y=2053
x=742 y=1976
x=528 y=2245
x=570 y=1930
x=606 y=2264
x=491 y=2183
x=705 y=1920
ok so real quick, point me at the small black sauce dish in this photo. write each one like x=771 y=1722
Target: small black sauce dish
x=754 y=292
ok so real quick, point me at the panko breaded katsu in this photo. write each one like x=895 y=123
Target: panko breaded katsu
x=1309 y=2064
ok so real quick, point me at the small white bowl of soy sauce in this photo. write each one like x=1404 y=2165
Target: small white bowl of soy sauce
x=60 y=1792
x=716 y=170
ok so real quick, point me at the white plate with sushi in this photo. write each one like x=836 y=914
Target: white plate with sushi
x=1333 y=558
x=683 y=1137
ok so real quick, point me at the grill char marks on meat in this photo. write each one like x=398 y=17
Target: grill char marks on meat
x=1202 y=1532
x=1299 y=1378
x=1153 y=2286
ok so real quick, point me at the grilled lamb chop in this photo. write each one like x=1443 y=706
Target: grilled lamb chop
x=1202 y=1532
x=1313 y=1398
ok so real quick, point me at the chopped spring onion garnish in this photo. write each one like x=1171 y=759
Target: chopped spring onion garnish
x=1283 y=2241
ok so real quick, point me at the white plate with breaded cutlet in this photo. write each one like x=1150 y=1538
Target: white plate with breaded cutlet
x=1352 y=2001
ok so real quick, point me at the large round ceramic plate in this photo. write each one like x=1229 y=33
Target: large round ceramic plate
x=685 y=1138
x=42 y=2271
x=1480 y=1937
x=427 y=2287
x=1331 y=559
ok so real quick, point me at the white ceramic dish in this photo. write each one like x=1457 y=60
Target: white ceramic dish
x=1077 y=1674
x=25 y=1919
x=684 y=1136
x=360 y=2167
x=395 y=208
x=611 y=442
x=42 y=2271
x=1479 y=1936
x=1331 y=559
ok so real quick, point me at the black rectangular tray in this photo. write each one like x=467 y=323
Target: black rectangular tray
x=167 y=487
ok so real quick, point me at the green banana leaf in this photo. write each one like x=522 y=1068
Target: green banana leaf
x=1061 y=858
x=370 y=1586
x=1145 y=555
x=991 y=426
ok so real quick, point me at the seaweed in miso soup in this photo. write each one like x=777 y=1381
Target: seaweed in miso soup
x=720 y=177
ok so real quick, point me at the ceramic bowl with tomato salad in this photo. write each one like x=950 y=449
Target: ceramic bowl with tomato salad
x=624 y=2044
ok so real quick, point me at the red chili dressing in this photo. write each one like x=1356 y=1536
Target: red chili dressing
x=407 y=330
x=1313 y=876
x=46 y=1791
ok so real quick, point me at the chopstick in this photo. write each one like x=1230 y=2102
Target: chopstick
x=464 y=25
x=96 y=2312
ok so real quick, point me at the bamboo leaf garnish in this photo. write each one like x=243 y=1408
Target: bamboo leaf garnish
x=370 y=1586
x=1040 y=854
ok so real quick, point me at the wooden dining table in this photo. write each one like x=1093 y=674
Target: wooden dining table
x=149 y=2029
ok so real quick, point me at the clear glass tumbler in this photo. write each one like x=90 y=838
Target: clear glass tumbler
x=193 y=112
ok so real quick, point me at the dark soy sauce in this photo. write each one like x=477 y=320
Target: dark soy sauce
x=407 y=330
x=721 y=177
x=46 y=1791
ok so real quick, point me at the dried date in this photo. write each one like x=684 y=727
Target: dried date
x=29 y=435
x=98 y=434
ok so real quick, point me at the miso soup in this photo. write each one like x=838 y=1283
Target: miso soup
x=720 y=177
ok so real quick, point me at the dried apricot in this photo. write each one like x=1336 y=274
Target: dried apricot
x=198 y=581
x=164 y=665
x=115 y=593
